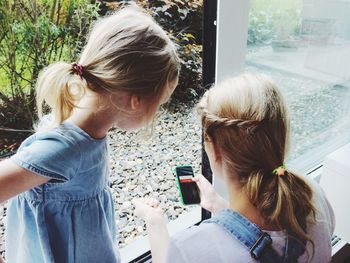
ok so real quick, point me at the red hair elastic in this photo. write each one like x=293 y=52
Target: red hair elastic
x=78 y=69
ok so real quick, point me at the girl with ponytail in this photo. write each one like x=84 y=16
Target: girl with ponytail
x=272 y=214
x=62 y=209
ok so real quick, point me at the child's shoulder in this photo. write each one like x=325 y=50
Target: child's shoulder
x=54 y=144
x=66 y=133
x=206 y=243
x=55 y=136
x=55 y=153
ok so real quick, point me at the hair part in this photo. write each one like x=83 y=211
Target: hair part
x=247 y=120
x=126 y=51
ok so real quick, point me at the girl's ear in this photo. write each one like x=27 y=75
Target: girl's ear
x=212 y=149
x=135 y=102
x=217 y=154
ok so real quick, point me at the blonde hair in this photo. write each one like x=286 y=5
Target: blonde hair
x=125 y=51
x=246 y=119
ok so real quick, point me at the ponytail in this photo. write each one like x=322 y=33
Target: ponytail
x=284 y=201
x=59 y=88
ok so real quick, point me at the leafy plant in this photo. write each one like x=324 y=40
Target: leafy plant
x=34 y=34
x=273 y=20
x=183 y=22
x=261 y=28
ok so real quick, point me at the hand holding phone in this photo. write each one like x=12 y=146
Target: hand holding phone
x=189 y=192
x=210 y=199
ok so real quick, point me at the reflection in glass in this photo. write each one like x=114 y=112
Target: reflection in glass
x=305 y=47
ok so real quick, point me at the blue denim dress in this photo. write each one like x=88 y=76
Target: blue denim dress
x=70 y=218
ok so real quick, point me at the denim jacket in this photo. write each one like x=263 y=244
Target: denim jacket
x=255 y=240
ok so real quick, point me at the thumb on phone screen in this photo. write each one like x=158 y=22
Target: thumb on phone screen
x=210 y=199
x=203 y=184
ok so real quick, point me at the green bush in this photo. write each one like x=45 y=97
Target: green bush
x=34 y=34
x=183 y=22
x=271 y=20
x=261 y=29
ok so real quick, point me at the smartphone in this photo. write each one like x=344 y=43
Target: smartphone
x=188 y=189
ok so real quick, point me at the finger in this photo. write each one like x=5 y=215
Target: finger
x=151 y=201
x=200 y=181
x=203 y=181
x=135 y=201
x=138 y=202
x=154 y=203
x=158 y=210
x=200 y=178
x=196 y=178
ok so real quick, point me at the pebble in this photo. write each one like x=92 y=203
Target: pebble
x=143 y=167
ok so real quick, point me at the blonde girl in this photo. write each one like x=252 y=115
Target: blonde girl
x=272 y=214
x=62 y=209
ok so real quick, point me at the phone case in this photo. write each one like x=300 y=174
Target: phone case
x=178 y=183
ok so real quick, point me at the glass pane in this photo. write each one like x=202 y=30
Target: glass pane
x=305 y=47
x=142 y=167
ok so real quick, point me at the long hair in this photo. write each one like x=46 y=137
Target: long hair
x=125 y=51
x=246 y=119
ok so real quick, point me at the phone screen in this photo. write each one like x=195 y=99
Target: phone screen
x=189 y=189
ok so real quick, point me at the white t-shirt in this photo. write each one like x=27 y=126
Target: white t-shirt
x=210 y=243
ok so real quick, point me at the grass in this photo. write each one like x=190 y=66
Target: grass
x=4 y=84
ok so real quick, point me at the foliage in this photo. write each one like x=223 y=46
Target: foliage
x=34 y=34
x=183 y=22
x=261 y=28
x=273 y=20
